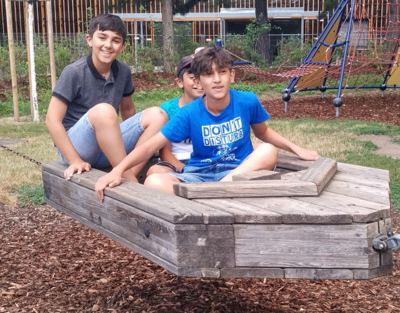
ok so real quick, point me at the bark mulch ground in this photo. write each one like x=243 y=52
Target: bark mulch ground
x=52 y=263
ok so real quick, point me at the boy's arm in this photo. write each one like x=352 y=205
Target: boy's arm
x=126 y=108
x=166 y=155
x=135 y=157
x=266 y=134
x=54 y=117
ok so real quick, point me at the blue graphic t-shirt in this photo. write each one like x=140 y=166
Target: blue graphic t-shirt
x=217 y=139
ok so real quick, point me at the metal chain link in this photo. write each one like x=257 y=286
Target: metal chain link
x=21 y=155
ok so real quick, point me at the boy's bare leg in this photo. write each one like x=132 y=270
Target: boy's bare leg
x=159 y=169
x=163 y=182
x=104 y=120
x=153 y=119
x=262 y=158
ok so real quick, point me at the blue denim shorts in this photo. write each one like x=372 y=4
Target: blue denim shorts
x=171 y=166
x=83 y=139
x=208 y=173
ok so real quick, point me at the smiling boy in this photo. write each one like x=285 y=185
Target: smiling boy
x=82 y=117
x=174 y=156
x=219 y=126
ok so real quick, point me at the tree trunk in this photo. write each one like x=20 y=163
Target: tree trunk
x=263 y=41
x=168 y=34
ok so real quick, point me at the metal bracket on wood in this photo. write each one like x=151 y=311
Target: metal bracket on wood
x=382 y=242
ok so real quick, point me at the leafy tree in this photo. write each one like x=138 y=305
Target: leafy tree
x=263 y=25
x=168 y=9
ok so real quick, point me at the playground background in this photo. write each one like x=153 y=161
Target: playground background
x=52 y=263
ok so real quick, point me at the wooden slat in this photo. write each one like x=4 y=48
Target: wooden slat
x=257 y=175
x=297 y=212
x=362 y=211
x=352 y=178
x=269 y=188
x=160 y=204
x=201 y=246
x=313 y=246
x=243 y=212
x=374 y=272
x=317 y=273
x=292 y=162
x=320 y=172
x=251 y=272
x=358 y=191
x=363 y=171
x=386 y=257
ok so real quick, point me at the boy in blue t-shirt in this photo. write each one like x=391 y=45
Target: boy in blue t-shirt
x=219 y=126
x=174 y=156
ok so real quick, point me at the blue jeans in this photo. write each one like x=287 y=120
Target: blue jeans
x=208 y=173
x=83 y=139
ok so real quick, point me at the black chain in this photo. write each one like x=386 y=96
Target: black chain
x=21 y=155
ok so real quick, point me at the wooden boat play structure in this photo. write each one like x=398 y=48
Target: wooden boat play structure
x=321 y=219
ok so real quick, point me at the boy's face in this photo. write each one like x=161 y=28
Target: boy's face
x=106 y=45
x=216 y=83
x=189 y=86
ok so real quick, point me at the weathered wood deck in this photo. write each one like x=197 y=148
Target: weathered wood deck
x=326 y=235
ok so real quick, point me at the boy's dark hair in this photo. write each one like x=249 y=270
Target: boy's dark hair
x=184 y=66
x=203 y=60
x=108 y=22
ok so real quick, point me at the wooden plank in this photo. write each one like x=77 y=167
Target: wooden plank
x=363 y=171
x=243 y=212
x=158 y=203
x=292 y=162
x=295 y=175
x=352 y=178
x=251 y=272
x=257 y=175
x=297 y=212
x=160 y=239
x=359 y=191
x=148 y=255
x=306 y=246
x=320 y=172
x=386 y=257
x=362 y=211
x=199 y=272
x=268 y=188
x=373 y=272
x=317 y=273
x=198 y=245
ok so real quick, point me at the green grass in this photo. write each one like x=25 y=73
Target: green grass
x=32 y=195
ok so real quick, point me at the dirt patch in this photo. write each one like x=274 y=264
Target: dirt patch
x=384 y=143
x=52 y=263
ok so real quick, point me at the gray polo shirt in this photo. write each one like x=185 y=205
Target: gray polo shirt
x=81 y=87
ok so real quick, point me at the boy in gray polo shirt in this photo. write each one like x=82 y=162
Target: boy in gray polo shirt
x=82 y=117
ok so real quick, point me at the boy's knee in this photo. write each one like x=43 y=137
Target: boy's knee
x=154 y=181
x=268 y=150
x=154 y=116
x=102 y=112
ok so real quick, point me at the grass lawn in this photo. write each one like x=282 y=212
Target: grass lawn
x=21 y=179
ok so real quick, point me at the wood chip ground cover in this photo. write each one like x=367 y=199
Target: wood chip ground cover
x=52 y=263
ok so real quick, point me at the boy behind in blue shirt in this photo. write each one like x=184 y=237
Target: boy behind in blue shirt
x=219 y=126
x=174 y=156
x=83 y=112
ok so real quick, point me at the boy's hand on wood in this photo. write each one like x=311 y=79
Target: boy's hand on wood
x=76 y=167
x=308 y=155
x=109 y=180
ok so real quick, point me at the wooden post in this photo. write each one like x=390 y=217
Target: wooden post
x=51 y=43
x=26 y=21
x=12 y=59
x=32 y=64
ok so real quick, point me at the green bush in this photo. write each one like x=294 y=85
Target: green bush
x=291 y=51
